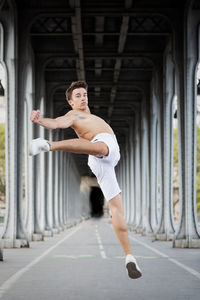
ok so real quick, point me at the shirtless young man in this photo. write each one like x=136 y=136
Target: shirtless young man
x=96 y=138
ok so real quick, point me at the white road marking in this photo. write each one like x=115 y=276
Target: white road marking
x=10 y=281
x=102 y=251
x=173 y=260
x=103 y=254
x=74 y=256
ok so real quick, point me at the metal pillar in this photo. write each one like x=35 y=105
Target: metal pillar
x=138 y=173
x=167 y=231
x=186 y=48
x=56 y=224
x=14 y=234
x=145 y=221
x=127 y=174
x=132 y=166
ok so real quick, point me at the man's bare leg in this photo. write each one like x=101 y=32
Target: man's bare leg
x=81 y=145
x=99 y=148
x=119 y=223
x=115 y=204
x=121 y=231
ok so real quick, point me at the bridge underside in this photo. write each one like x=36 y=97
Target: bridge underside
x=137 y=57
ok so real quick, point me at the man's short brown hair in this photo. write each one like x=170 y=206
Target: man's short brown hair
x=75 y=85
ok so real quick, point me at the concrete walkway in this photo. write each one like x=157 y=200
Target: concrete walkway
x=86 y=262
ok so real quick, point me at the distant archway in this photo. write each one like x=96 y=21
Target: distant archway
x=96 y=202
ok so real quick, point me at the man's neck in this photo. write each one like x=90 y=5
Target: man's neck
x=87 y=110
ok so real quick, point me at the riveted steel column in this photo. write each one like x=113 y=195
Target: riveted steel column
x=167 y=230
x=65 y=188
x=135 y=178
x=188 y=234
x=39 y=171
x=138 y=173
x=55 y=188
x=124 y=198
x=30 y=192
x=140 y=227
x=126 y=182
x=132 y=163
x=145 y=216
x=153 y=158
x=49 y=189
x=13 y=233
x=127 y=171
x=160 y=230
x=60 y=185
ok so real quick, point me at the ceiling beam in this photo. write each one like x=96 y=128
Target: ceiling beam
x=78 y=38
x=97 y=54
x=118 y=63
x=98 y=68
x=134 y=84
x=101 y=11
x=99 y=29
x=99 y=35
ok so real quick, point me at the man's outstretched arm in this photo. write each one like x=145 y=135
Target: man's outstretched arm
x=60 y=122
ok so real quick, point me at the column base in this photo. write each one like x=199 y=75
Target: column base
x=1 y=252
x=185 y=243
x=148 y=233
x=17 y=243
x=55 y=230
x=131 y=228
x=69 y=225
x=48 y=233
x=37 y=237
x=20 y=243
x=139 y=230
x=161 y=237
x=164 y=237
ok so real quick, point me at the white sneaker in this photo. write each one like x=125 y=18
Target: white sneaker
x=132 y=267
x=38 y=145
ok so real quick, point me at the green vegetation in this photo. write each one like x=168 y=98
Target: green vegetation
x=175 y=177
x=198 y=172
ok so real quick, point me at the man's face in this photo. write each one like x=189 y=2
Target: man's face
x=79 y=99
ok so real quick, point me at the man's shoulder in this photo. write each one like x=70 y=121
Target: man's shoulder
x=70 y=112
x=73 y=112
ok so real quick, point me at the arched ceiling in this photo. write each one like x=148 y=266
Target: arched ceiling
x=115 y=46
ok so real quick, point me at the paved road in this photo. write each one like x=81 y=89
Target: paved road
x=86 y=262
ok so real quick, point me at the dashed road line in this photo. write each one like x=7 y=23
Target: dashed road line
x=102 y=251
x=81 y=256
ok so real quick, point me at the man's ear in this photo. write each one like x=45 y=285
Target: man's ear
x=70 y=103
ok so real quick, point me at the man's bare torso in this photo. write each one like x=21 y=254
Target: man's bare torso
x=87 y=125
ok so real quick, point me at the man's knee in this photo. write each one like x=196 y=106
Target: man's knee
x=101 y=148
x=116 y=205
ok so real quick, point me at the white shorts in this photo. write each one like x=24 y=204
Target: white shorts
x=104 y=167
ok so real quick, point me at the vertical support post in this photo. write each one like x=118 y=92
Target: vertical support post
x=188 y=235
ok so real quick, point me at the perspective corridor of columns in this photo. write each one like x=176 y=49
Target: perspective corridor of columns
x=141 y=62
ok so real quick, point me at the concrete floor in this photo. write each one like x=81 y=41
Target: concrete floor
x=86 y=262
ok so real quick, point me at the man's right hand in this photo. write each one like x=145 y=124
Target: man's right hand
x=35 y=116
